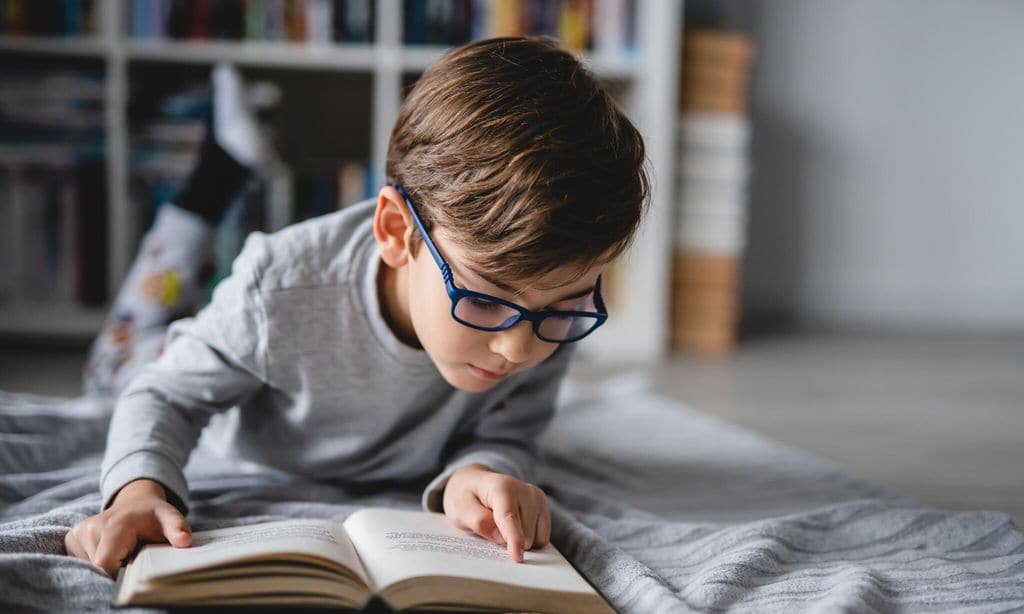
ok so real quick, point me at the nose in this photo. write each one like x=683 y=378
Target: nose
x=514 y=344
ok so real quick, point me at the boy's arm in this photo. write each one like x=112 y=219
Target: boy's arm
x=505 y=438
x=211 y=363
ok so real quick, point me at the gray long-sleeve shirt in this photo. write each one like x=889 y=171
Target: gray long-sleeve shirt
x=291 y=366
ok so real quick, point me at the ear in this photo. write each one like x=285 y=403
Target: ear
x=392 y=227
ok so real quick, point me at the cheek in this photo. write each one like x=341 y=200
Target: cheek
x=541 y=351
x=441 y=336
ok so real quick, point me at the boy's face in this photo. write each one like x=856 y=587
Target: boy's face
x=419 y=309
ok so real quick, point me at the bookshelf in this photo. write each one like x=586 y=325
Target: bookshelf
x=646 y=82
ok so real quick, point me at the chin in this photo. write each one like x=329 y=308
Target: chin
x=463 y=379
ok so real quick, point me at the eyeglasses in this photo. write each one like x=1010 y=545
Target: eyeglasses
x=490 y=313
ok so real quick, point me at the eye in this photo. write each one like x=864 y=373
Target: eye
x=482 y=304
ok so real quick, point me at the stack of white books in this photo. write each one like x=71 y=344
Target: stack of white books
x=714 y=167
x=714 y=164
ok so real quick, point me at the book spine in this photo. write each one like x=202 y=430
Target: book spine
x=415 y=22
x=609 y=27
x=480 y=19
x=226 y=19
x=360 y=18
x=70 y=256
x=73 y=18
x=505 y=18
x=319 y=22
x=142 y=19
x=10 y=231
x=255 y=20
x=179 y=19
x=295 y=21
x=200 y=23
x=274 y=29
x=32 y=273
x=92 y=196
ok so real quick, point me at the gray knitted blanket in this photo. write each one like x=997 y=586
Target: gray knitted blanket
x=661 y=508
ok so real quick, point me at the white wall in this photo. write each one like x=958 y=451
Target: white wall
x=889 y=163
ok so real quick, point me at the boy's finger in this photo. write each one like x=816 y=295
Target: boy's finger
x=174 y=527
x=114 y=546
x=506 y=516
x=70 y=545
x=529 y=522
x=74 y=546
x=87 y=542
x=543 y=535
x=473 y=516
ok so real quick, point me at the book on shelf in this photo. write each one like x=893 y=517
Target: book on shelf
x=607 y=27
x=407 y=559
x=53 y=234
x=48 y=18
x=318 y=22
x=53 y=194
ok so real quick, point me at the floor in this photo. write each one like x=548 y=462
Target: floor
x=938 y=418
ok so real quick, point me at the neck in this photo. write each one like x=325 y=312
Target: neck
x=394 y=304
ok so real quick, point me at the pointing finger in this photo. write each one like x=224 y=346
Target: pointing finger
x=506 y=516
x=174 y=527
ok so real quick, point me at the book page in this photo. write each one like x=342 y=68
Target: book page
x=395 y=545
x=317 y=538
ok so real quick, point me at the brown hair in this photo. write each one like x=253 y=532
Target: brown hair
x=515 y=150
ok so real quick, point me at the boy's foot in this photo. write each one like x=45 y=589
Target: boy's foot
x=235 y=126
x=233 y=148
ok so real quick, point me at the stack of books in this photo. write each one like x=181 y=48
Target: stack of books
x=53 y=188
x=711 y=217
x=291 y=21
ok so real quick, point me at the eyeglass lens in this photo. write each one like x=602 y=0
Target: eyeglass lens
x=480 y=312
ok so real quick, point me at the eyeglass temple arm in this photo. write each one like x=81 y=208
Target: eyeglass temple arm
x=446 y=271
x=599 y=300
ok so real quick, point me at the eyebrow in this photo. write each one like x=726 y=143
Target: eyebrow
x=506 y=288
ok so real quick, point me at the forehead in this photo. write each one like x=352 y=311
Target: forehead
x=568 y=276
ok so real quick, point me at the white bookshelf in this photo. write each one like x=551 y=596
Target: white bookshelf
x=647 y=82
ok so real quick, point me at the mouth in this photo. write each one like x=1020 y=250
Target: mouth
x=488 y=375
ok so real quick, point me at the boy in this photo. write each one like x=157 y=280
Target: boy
x=419 y=336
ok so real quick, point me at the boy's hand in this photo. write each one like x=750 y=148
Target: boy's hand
x=499 y=508
x=140 y=511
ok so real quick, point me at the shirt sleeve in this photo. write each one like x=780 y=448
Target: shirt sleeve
x=211 y=362
x=505 y=439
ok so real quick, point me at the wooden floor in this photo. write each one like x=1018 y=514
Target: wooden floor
x=940 y=419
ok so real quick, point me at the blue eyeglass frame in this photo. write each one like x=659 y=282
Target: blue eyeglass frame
x=534 y=317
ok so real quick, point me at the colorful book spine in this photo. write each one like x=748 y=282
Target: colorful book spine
x=256 y=20
x=606 y=27
x=316 y=22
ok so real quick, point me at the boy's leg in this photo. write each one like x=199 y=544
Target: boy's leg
x=163 y=283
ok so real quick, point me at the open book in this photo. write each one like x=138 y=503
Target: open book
x=408 y=559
